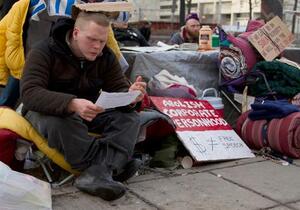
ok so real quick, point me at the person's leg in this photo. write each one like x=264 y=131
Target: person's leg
x=69 y=135
x=119 y=132
x=10 y=93
x=118 y=136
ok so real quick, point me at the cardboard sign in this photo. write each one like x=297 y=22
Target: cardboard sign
x=203 y=132
x=272 y=38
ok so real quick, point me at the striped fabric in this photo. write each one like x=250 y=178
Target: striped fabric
x=284 y=135
x=54 y=7
x=36 y=7
x=61 y=7
x=123 y=17
x=254 y=133
x=281 y=135
x=239 y=123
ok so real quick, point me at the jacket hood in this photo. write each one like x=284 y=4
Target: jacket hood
x=58 y=34
x=60 y=28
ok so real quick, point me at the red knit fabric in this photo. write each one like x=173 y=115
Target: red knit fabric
x=7 y=146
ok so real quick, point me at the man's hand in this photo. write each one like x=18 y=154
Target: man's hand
x=139 y=85
x=84 y=108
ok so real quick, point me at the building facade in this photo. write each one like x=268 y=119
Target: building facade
x=212 y=11
x=233 y=15
x=145 y=10
x=225 y=12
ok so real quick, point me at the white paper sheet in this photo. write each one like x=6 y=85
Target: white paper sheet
x=148 y=49
x=112 y=100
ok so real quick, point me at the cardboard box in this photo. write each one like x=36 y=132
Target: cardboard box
x=106 y=7
x=272 y=38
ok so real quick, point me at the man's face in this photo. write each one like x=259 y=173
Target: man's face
x=193 y=26
x=90 y=40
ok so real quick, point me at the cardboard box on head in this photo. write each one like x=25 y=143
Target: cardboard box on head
x=110 y=9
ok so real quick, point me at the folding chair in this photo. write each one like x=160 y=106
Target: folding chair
x=11 y=120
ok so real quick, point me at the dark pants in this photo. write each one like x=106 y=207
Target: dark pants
x=69 y=135
x=10 y=94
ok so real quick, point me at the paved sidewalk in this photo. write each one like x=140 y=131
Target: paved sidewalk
x=254 y=183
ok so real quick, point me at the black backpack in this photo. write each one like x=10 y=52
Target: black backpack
x=130 y=37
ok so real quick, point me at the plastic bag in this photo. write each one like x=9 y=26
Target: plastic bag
x=22 y=191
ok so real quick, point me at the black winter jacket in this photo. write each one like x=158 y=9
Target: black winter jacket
x=53 y=76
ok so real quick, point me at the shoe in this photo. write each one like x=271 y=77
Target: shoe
x=97 y=180
x=128 y=171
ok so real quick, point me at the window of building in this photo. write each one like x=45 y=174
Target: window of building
x=168 y=7
x=164 y=17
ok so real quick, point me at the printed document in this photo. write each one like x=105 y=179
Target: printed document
x=112 y=100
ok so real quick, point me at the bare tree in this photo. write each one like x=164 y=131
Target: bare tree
x=173 y=12
x=189 y=5
x=250 y=9
x=270 y=8
x=182 y=12
x=294 y=16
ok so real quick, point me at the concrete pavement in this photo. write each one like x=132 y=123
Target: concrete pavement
x=256 y=183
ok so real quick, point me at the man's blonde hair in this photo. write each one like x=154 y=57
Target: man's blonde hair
x=96 y=17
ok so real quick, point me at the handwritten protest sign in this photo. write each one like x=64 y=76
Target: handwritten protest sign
x=203 y=132
x=272 y=38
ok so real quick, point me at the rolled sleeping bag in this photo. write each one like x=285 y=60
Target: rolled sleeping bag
x=254 y=133
x=284 y=135
x=240 y=122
